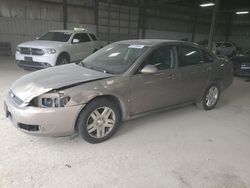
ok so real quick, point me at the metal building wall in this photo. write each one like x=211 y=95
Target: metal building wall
x=176 y=22
x=240 y=30
x=24 y=20
x=117 y=22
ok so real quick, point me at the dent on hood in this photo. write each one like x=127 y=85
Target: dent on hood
x=56 y=78
x=32 y=90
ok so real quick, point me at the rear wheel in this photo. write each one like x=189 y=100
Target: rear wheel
x=62 y=59
x=210 y=98
x=99 y=120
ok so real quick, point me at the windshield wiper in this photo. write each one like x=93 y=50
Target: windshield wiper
x=100 y=69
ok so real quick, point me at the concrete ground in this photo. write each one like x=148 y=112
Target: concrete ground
x=182 y=148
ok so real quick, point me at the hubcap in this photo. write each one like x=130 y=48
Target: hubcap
x=100 y=122
x=212 y=96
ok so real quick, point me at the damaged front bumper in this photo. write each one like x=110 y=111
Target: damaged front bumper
x=42 y=121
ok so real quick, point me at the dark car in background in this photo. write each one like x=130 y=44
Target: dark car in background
x=241 y=63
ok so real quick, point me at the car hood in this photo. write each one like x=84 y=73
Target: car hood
x=40 y=82
x=41 y=44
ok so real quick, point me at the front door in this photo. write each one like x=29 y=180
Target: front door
x=82 y=48
x=159 y=89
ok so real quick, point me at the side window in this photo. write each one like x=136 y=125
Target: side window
x=226 y=45
x=162 y=58
x=188 y=55
x=207 y=57
x=82 y=37
x=93 y=36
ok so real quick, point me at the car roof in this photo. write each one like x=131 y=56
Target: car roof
x=154 y=42
x=69 y=31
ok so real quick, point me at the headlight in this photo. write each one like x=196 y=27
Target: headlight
x=52 y=100
x=18 y=49
x=50 y=51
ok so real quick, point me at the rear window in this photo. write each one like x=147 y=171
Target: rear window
x=93 y=36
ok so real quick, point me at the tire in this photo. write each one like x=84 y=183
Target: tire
x=62 y=59
x=99 y=120
x=210 y=97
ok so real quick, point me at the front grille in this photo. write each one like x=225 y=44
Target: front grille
x=15 y=98
x=28 y=127
x=33 y=64
x=31 y=51
x=26 y=63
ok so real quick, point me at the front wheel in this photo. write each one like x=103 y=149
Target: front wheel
x=99 y=120
x=62 y=60
x=210 y=98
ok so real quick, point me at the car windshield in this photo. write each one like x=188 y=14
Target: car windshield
x=115 y=58
x=56 y=36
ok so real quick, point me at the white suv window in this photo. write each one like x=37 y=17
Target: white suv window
x=56 y=36
x=93 y=36
x=82 y=37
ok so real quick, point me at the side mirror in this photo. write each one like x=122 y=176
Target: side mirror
x=75 y=41
x=149 y=69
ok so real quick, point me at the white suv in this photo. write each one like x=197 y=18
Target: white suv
x=56 y=47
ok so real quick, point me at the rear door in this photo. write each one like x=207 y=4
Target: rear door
x=194 y=72
x=83 y=48
x=156 y=90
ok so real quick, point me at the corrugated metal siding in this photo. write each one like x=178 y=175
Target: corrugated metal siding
x=116 y=22
x=23 y=20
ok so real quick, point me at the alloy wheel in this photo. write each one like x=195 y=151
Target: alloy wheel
x=101 y=122
x=212 y=96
